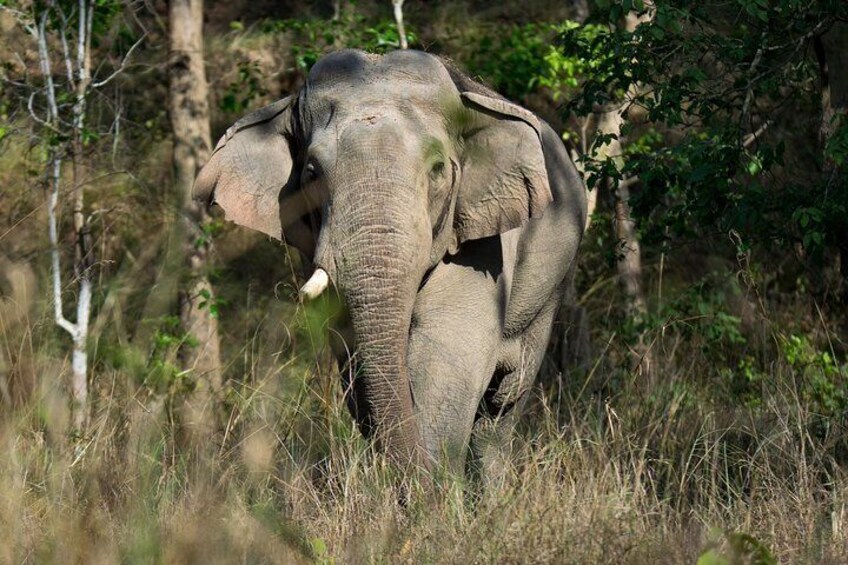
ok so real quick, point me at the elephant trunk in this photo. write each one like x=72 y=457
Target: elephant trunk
x=377 y=266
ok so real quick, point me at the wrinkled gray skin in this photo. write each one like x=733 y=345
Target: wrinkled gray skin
x=446 y=217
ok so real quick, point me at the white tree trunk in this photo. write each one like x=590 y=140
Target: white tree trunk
x=68 y=26
x=79 y=330
x=398 y=10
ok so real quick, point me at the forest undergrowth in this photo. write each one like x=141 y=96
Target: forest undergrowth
x=603 y=470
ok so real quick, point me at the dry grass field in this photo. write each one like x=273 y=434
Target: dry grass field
x=666 y=477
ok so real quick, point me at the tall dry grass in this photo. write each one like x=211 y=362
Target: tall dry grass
x=624 y=478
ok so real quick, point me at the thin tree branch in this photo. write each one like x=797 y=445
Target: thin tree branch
x=752 y=137
x=123 y=65
x=629 y=182
x=801 y=40
x=89 y=26
x=749 y=93
x=81 y=34
x=44 y=60
x=83 y=64
x=65 y=49
x=34 y=116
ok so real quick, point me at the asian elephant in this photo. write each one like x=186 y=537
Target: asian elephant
x=447 y=218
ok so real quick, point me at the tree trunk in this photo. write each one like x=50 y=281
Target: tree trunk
x=189 y=109
x=833 y=60
x=830 y=50
x=397 y=5
x=79 y=81
x=629 y=254
x=82 y=253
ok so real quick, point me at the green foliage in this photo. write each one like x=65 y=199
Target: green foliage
x=520 y=59
x=699 y=314
x=166 y=339
x=701 y=310
x=313 y=38
x=732 y=548
x=320 y=551
x=210 y=302
x=745 y=382
x=713 y=78
x=837 y=146
x=155 y=371
x=564 y=73
x=240 y=93
x=513 y=60
x=163 y=375
x=208 y=230
x=110 y=32
x=824 y=382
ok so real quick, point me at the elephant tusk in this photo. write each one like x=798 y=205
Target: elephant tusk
x=316 y=284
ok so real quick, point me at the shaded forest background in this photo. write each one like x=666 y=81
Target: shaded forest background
x=694 y=401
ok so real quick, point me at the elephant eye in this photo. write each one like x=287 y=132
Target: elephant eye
x=310 y=173
x=437 y=172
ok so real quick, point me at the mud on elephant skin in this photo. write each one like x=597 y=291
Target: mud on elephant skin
x=446 y=217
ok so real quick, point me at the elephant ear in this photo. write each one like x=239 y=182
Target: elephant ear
x=251 y=176
x=504 y=180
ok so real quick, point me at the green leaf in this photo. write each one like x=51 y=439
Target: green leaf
x=755 y=167
x=712 y=557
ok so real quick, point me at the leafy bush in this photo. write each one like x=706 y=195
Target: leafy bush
x=714 y=80
x=313 y=38
x=824 y=381
x=517 y=60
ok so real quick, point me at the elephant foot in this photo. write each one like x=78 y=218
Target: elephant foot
x=490 y=463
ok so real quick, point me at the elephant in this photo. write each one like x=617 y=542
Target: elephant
x=447 y=219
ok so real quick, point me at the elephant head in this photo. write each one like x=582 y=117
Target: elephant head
x=377 y=169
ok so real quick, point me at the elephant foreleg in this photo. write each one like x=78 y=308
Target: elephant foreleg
x=453 y=347
x=518 y=363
